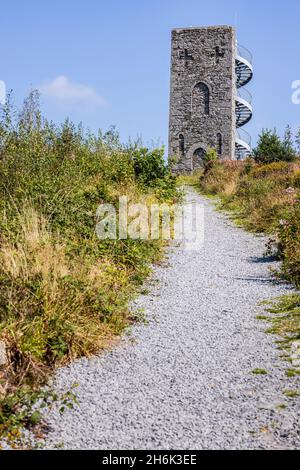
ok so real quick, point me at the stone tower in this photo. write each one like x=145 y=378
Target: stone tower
x=203 y=95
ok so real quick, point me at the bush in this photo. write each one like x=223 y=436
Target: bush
x=149 y=166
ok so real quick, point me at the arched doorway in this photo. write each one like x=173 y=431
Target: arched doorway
x=198 y=158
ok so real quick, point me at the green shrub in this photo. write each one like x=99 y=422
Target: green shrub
x=270 y=148
x=149 y=166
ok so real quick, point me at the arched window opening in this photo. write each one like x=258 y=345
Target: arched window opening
x=219 y=144
x=181 y=144
x=200 y=99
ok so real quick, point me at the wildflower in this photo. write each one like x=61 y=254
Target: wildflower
x=282 y=222
x=290 y=190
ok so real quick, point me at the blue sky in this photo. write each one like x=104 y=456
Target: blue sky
x=107 y=62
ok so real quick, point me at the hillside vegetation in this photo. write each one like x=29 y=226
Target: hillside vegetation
x=63 y=292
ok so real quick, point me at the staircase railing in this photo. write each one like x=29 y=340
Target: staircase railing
x=245 y=95
x=244 y=73
x=244 y=53
x=243 y=135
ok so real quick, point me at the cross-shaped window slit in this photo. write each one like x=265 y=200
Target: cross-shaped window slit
x=219 y=53
x=186 y=56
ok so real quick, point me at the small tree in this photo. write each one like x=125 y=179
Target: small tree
x=288 y=144
x=270 y=148
x=30 y=115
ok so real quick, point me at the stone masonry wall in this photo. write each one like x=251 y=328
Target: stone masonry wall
x=202 y=104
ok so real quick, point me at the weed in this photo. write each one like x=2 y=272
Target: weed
x=22 y=409
x=281 y=406
x=291 y=393
x=259 y=372
x=262 y=317
x=285 y=318
x=292 y=372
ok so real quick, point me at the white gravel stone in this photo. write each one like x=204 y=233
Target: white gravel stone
x=184 y=381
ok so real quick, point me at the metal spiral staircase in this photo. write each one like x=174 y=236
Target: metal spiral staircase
x=243 y=100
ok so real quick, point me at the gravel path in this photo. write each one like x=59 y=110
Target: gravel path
x=184 y=380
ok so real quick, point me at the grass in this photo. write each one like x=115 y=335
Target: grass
x=292 y=372
x=291 y=393
x=262 y=317
x=281 y=406
x=190 y=180
x=259 y=372
x=63 y=292
x=285 y=318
